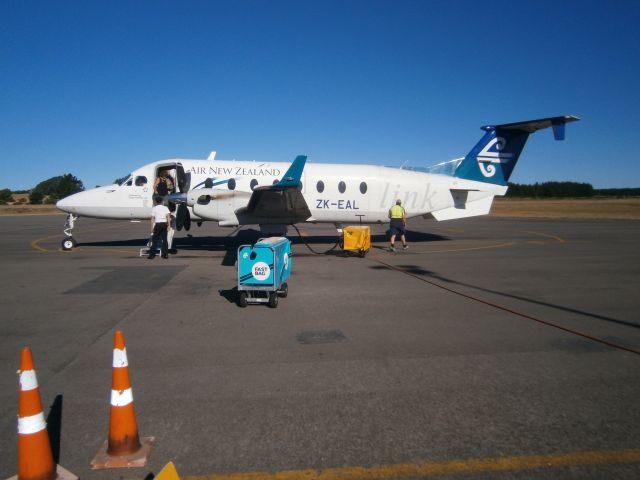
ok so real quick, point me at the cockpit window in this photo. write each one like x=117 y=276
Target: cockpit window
x=140 y=181
x=122 y=180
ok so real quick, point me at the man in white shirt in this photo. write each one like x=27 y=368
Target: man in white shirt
x=160 y=218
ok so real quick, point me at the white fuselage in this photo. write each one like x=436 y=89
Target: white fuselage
x=336 y=193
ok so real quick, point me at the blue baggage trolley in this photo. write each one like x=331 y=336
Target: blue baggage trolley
x=263 y=270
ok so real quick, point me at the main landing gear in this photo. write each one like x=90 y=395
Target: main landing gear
x=69 y=242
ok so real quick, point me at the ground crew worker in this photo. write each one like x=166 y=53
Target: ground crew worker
x=398 y=225
x=160 y=220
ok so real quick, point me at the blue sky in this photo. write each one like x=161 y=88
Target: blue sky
x=98 y=88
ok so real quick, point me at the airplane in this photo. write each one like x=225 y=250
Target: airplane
x=274 y=195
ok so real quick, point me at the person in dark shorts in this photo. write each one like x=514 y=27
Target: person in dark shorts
x=398 y=225
x=160 y=220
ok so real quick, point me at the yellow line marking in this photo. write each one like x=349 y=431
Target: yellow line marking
x=557 y=239
x=452 y=230
x=453 y=467
x=35 y=245
x=468 y=249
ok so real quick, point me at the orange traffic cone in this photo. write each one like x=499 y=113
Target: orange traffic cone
x=124 y=447
x=35 y=459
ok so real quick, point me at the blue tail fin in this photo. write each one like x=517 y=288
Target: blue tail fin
x=494 y=156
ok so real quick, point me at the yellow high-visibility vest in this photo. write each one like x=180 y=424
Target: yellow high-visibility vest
x=396 y=212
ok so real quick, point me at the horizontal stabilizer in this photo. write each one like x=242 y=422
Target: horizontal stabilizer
x=464 y=210
x=531 y=126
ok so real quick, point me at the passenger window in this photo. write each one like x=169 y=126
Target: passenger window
x=320 y=186
x=363 y=188
x=231 y=184
x=342 y=187
x=253 y=184
x=140 y=181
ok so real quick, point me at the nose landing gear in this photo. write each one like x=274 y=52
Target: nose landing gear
x=69 y=242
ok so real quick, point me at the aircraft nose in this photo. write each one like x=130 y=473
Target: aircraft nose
x=71 y=203
x=64 y=204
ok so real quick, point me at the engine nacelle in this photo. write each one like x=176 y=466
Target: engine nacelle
x=217 y=205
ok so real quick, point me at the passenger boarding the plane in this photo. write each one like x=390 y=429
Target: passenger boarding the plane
x=398 y=225
x=164 y=184
x=160 y=221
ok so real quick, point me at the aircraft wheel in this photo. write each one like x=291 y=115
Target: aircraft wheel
x=242 y=299
x=68 y=243
x=284 y=290
x=273 y=299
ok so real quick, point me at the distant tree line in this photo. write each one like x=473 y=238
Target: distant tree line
x=48 y=191
x=6 y=196
x=55 y=188
x=567 y=189
x=618 y=192
x=551 y=189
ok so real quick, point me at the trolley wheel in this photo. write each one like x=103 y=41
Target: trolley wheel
x=273 y=299
x=284 y=290
x=68 y=243
x=363 y=253
x=242 y=299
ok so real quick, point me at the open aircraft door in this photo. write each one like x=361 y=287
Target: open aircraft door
x=182 y=183
x=183 y=217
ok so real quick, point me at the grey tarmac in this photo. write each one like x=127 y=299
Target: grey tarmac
x=433 y=354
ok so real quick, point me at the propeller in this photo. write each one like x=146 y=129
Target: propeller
x=184 y=179
x=183 y=219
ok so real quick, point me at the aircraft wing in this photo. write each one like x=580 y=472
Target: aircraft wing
x=281 y=203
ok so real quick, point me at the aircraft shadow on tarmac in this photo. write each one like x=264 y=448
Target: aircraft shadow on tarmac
x=230 y=243
x=421 y=272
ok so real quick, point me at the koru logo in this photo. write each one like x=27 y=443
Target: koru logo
x=486 y=158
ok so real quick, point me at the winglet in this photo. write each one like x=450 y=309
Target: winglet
x=292 y=177
x=558 y=129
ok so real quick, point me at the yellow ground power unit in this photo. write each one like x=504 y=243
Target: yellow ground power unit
x=357 y=239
